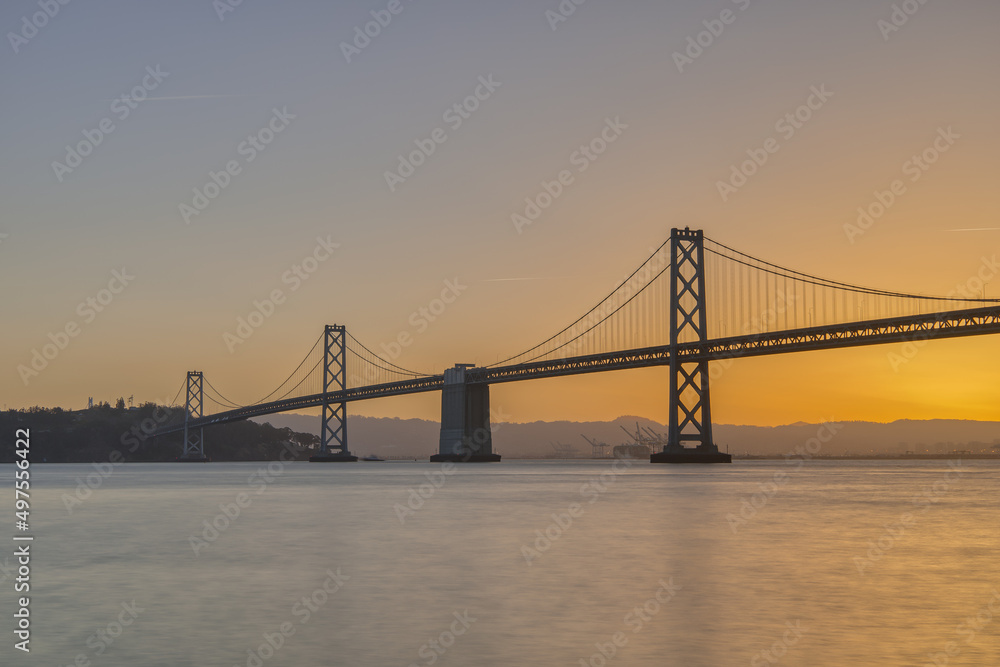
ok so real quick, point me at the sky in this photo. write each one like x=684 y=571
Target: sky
x=178 y=161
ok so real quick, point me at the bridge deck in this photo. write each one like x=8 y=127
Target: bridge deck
x=951 y=324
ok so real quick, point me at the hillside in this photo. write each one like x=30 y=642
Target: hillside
x=104 y=433
x=419 y=438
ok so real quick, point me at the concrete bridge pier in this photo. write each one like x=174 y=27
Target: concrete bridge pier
x=465 y=420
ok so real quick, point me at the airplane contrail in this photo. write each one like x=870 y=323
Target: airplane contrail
x=497 y=280
x=186 y=97
x=193 y=97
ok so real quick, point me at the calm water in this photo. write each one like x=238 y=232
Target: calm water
x=659 y=554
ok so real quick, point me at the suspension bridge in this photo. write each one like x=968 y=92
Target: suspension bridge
x=694 y=301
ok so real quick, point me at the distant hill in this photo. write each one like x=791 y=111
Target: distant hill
x=419 y=437
x=96 y=433
x=112 y=434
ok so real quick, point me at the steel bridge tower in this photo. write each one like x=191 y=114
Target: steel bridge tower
x=194 y=402
x=333 y=433
x=690 y=404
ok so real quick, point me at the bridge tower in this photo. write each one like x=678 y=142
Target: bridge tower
x=690 y=404
x=465 y=420
x=333 y=433
x=194 y=441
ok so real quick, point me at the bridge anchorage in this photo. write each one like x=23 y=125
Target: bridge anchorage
x=333 y=429
x=194 y=440
x=690 y=404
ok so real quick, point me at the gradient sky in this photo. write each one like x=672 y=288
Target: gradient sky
x=323 y=176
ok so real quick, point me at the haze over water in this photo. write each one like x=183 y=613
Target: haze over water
x=840 y=563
